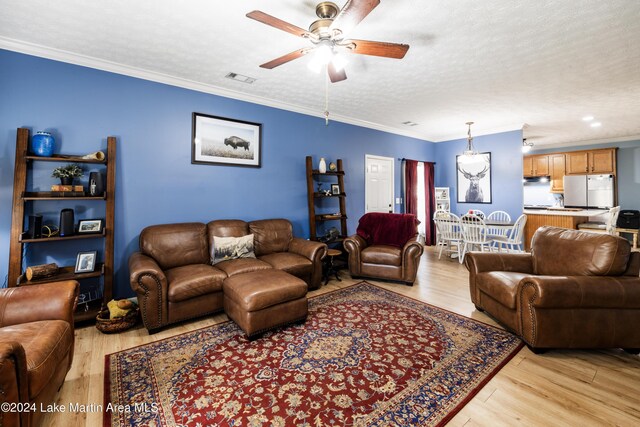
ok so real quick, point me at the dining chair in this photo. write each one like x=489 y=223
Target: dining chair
x=514 y=239
x=478 y=213
x=474 y=233
x=499 y=216
x=437 y=214
x=449 y=233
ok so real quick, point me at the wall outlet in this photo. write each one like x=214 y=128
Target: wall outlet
x=398 y=200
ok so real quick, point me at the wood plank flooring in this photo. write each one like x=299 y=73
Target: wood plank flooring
x=558 y=388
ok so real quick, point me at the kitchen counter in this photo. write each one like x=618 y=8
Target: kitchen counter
x=565 y=218
x=566 y=212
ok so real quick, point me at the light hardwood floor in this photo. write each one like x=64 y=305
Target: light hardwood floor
x=558 y=388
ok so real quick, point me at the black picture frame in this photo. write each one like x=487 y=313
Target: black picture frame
x=90 y=226
x=86 y=262
x=335 y=189
x=227 y=142
x=467 y=171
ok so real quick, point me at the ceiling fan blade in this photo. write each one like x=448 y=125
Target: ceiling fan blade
x=351 y=14
x=368 y=47
x=335 y=75
x=279 y=24
x=286 y=58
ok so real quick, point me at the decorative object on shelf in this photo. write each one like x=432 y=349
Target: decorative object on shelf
x=66 y=223
x=470 y=151
x=35 y=226
x=526 y=146
x=335 y=189
x=331 y=235
x=67 y=188
x=98 y=155
x=85 y=262
x=333 y=167
x=49 y=230
x=41 y=271
x=320 y=188
x=87 y=226
x=473 y=178
x=43 y=144
x=96 y=184
x=67 y=173
x=322 y=166
x=223 y=141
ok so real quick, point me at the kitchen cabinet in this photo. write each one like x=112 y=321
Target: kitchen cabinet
x=592 y=161
x=536 y=165
x=557 y=172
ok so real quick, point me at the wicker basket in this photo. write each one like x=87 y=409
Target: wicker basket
x=111 y=326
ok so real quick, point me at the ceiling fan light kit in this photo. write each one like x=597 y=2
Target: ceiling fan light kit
x=327 y=35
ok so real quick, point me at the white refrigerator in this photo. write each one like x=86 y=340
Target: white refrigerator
x=588 y=191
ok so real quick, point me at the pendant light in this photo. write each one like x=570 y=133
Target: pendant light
x=470 y=151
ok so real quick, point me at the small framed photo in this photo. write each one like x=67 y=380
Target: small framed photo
x=86 y=262
x=86 y=226
x=335 y=189
x=224 y=141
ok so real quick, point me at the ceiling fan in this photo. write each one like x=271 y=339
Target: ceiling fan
x=327 y=35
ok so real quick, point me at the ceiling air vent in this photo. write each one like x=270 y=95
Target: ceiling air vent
x=240 y=78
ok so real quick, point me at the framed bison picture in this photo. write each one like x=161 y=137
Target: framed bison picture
x=474 y=178
x=223 y=141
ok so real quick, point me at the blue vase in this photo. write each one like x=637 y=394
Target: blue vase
x=43 y=144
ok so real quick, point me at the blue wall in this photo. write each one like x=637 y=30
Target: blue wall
x=628 y=173
x=506 y=171
x=156 y=182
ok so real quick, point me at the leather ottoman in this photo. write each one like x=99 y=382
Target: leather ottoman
x=262 y=300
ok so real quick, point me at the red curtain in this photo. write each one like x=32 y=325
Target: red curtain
x=411 y=186
x=429 y=203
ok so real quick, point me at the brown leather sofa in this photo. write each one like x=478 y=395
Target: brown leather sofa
x=574 y=290
x=36 y=347
x=396 y=253
x=172 y=273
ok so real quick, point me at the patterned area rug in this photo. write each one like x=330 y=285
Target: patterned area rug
x=365 y=357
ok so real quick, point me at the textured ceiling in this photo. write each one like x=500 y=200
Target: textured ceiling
x=543 y=64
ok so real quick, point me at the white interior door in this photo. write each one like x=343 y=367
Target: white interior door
x=378 y=187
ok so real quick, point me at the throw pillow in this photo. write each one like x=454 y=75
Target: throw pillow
x=226 y=248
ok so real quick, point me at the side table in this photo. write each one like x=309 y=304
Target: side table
x=632 y=231
x=329 y=267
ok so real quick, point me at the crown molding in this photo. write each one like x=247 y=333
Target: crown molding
x=117 y=68
x=480 y=132
x=613 y=140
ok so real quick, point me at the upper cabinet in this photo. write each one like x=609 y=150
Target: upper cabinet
x=557 y=165
x=557 y=172
x=536 y=165
x=592 y=161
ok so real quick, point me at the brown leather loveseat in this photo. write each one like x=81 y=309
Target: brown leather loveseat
x=172 y=273
x=574 y=290
x=36 y=348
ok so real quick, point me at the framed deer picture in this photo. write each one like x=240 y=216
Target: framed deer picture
x=473 y=183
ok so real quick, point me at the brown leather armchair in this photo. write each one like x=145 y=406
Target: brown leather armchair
x=36 y=347
x=398 y=262
x=574 y=290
